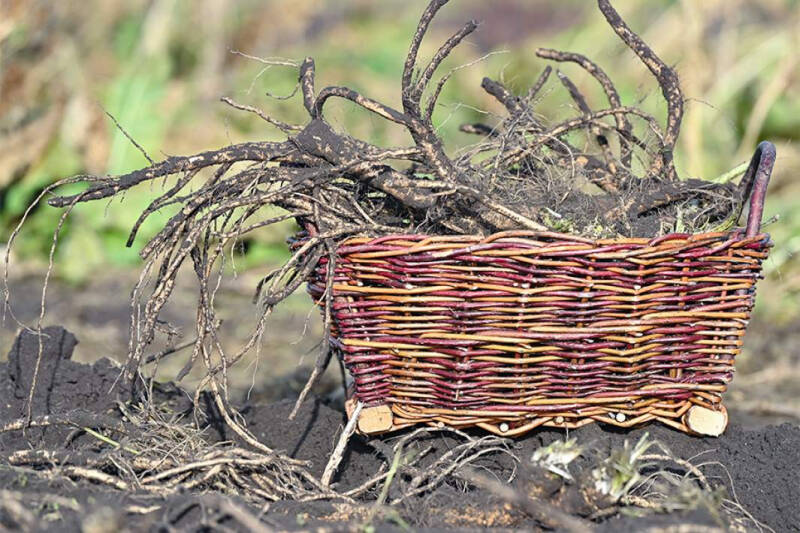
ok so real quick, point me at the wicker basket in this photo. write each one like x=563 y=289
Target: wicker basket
x=524 y=329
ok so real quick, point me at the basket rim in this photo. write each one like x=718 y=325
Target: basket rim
x=551 y=237
x=526 y=242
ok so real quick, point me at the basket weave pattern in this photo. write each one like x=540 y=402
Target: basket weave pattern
x=523 y=329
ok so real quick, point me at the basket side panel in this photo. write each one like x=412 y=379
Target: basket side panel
x=518 y=332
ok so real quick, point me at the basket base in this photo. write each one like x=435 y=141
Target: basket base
x=371 y=420
x=706 y=422
x=692 y=419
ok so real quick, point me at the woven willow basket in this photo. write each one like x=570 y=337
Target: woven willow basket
x=525 y=329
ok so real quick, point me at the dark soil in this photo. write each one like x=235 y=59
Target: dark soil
x=759 y=468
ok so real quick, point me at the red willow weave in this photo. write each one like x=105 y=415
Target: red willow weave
x=523 y=329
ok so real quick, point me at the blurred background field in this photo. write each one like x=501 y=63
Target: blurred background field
x=160 y=67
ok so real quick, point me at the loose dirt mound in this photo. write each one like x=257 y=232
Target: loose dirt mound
x=75 y=405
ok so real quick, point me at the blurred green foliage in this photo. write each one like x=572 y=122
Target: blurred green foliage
x=160 y=66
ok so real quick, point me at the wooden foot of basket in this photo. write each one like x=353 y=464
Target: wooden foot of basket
x=371 y=420
x=708 y=422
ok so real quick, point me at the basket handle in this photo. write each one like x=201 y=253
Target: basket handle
x=755 y=183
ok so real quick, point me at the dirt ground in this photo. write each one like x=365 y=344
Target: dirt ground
x=753 y=469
